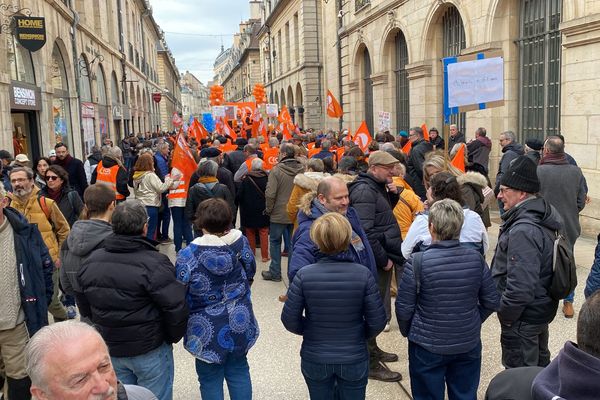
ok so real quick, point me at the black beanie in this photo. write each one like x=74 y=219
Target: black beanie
x=521 y=175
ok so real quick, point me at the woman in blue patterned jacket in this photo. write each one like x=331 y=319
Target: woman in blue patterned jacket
x=218 y=269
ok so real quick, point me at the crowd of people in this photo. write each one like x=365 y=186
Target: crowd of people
x=358 y=228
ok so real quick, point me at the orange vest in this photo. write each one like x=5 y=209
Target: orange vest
x=248 y=163
x=180 y=192
x=108 y=176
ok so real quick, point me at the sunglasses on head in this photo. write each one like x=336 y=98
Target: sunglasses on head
x=51 y=178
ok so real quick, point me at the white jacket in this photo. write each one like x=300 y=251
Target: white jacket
x=148 y=187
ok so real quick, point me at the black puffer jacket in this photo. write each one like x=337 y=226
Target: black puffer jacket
x=374 y=205
x=130 y=293
x=414 y=165
x=202 y=191
x=343 y=309
x=522 y=264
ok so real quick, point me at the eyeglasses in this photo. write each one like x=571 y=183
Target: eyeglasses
x=51 y=177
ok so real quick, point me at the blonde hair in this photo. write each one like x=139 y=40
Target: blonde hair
x=332 y=233
x=446 y=218
x=437 y=160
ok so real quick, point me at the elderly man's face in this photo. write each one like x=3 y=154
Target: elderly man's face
x=510 y=197
x=78 y=371
x=22 y=186
x=453 y=130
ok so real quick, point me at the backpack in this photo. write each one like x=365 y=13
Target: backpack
x=564 y=269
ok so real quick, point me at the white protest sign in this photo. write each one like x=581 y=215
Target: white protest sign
x=218 y=111
x=475 y=82
x=272 y=110
x=384 y=121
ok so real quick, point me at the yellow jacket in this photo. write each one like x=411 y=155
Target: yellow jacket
x=32 y=210
x=405 y=212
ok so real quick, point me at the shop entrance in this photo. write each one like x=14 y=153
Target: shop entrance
x=25 y=134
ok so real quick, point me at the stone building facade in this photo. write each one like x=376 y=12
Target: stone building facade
x=390 y=54
x=168 y=76
x=293 y=57
x=194 y=97
x=93 y=79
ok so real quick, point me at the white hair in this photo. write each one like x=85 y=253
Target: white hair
x=257 y=164
x=50 y=339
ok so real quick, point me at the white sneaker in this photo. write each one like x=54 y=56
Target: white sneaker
x=387 y=327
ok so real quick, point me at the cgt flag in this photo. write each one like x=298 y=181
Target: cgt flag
x=459 y=158
x=334 y=109
x=184 y=163
x=362 y=137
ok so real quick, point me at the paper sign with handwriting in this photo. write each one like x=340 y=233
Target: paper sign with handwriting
x=475 y=82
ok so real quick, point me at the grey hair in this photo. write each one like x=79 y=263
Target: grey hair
x=216 y=142
x=316 y=165
x=253 y=141
x=129 y=218
x=417 y=130
x=446 y=217
x=45 y=341
x=28 y=171
x=554 y=145
x=509 y=135
x=208 y=168
x=389 y=146
x=273 y=142
x=326 y=144
x=287 y=150
x=162 y=145
x=257 y=164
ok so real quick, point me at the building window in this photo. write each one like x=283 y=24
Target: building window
x=296 y=40
x=287 y=47
x=402 y=87
x=454 y=42
x=61 y=112
x=368 y=84
x=360 y=4
x=539 y=68
x=20 y=63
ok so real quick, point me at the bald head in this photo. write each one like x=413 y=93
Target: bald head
x=554 y=145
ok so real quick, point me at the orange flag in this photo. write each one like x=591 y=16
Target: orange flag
x=407 y=147
x=362 y=137
x=340 y=153
x=425 y=132
x=286 y=132
x=270 y=158
x=226 y=130
x=284 y=115
x=313 y=151
x=459 y=158
x=310 y=145
x=334 y=109
x=183 y=164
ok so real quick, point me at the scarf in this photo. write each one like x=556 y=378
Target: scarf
x=554 y=159
x=63 y=163
x=54 y=194
x=207 y=179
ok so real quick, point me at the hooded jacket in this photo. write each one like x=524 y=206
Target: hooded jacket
x=122 y=176
x=471 y=188
x=34 y=268
x=279 y=189
x=303 y=183
x=148 y=187
x=342 y=308
x=85 y=237
x=129 y=291
x=218 y=272
x=522 y=264
x=511 y=151
x=306 y=251
x=479 y=151
x=252 y=200
x=573 y=374
x=374 y=206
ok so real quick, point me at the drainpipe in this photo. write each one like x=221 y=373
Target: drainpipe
x=123 y=98
x=320 y=68
x=338 y=10
x=144 y=55
x=77 y=72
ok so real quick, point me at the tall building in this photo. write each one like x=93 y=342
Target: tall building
x=94 y=78
x=168 y=76
x=194 y=96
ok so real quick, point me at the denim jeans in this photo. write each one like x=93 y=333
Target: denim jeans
x=236 y=373
x=430 y=372
x=525 y=345
x=164 y=219
x=336 y=381
x=276 y=231
x=152 y=221
x=154 y=371
x=570 y=298
x=181 y=228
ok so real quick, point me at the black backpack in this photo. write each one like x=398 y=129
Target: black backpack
x=564 y=269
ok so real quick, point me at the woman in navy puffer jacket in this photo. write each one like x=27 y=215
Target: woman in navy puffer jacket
x=343 y=309
x=442 y=318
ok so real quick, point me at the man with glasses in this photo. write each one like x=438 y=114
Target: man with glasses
x=43 y=212
x=416 y=157
x=522 y=266
x=374 y=196
x=511 y=150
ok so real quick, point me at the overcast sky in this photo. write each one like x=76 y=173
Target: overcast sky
x=184 y=21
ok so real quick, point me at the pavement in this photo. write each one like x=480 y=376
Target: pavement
x=275 y=359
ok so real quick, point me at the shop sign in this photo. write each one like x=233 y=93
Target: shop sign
x=156 y=97
x=88 y=110
x=117 y=111
x=30 y=32
x=24 y=97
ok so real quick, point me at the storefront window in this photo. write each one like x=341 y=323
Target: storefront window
x=102 y=105
x=61 y=113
